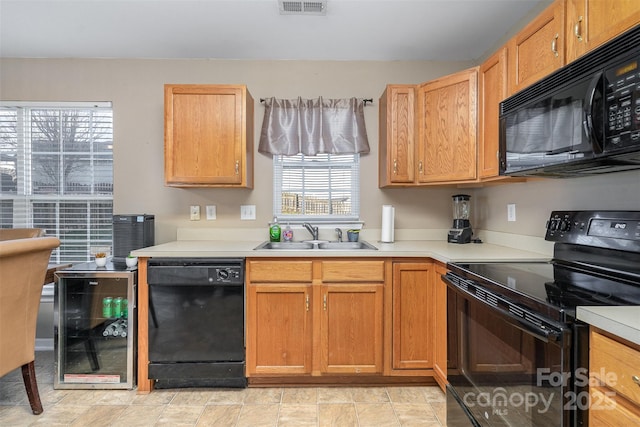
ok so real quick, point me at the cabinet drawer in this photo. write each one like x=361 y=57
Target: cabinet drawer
x=607 y=410
x=618 y=362
x=353 y=271
x=280 y=271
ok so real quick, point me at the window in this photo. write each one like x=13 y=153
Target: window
x=324 y=187
x=56 y=161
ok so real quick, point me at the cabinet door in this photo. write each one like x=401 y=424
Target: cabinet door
x=590 y=23
x=413 y=303
x=538 y=49
x=208 y=136
x=279 y=335
x=440 y=327
x=448 y=124
x=397 y=135
x=492 y=90
x=351 y=328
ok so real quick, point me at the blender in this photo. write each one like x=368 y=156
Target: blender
x=461 y=231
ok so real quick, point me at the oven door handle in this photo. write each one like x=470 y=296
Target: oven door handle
x=541 y=333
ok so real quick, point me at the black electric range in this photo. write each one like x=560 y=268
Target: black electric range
x=513 y=324
x=596 y=262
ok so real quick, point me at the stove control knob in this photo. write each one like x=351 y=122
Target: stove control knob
x=564 y=225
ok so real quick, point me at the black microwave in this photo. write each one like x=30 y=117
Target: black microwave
x=584 y=119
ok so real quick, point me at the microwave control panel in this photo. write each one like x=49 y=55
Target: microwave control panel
x=622 y=104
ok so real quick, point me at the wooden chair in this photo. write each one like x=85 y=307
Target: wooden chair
x=20 y=233
x=23 y=266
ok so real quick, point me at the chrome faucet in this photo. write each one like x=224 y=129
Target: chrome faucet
x=339 y=231
x=311 y=229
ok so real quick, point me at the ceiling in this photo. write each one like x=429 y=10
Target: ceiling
x=378 y=30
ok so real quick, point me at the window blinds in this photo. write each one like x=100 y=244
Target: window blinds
x=315 y=188
x=56 y=161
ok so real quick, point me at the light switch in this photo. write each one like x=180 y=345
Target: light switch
x=194 y=213
x=211 y=212
x=248 y=212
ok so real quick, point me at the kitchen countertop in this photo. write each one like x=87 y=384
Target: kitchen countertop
x=623 y=322
x=436 y=249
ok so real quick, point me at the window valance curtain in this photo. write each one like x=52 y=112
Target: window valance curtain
x=313 y=126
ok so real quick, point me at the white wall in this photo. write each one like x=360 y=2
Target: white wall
x=136 y=89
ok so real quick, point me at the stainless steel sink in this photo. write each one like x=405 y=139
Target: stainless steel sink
x=347 y=246
x=295 y=246
x=321 y=244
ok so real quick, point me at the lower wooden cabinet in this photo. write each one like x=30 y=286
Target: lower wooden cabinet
x=280 y=332
x=413 y=318
x=440 y=331
x=615 y=381
x=351 y=338
x=314 y=317
x=340 y=317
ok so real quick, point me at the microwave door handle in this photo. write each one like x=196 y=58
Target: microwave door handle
x=591 y=129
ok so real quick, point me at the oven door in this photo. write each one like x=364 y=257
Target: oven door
x=503 y=370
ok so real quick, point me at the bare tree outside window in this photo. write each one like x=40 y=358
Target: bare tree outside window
x=57 y=174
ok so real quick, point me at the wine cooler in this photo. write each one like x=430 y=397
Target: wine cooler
x=95 y=327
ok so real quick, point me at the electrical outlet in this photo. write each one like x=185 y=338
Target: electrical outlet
x=211 y=212
x=511 y=212
x=248 y=212
x=194 y=213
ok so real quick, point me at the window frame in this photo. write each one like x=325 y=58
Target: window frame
x=283 y=162
x=78 y=205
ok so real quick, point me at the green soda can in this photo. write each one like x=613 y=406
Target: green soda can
x=125 y=308
x=107 y=309
x=117 y=307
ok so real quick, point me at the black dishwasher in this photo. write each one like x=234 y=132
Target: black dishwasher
x=196 y=322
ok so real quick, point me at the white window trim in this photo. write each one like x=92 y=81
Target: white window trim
x=24 y=197
x=351 y=221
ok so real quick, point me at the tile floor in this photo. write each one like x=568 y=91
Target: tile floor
x=321 y=406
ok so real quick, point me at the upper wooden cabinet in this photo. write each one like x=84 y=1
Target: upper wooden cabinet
x=447 y=128
x=492 y=86
x=397 y=136
x=538 y=49
x=208 y=136
x=590 y=23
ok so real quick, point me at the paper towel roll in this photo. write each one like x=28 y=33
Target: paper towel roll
x=388 y=214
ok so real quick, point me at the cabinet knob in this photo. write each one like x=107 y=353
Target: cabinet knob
x=420 y=167
x=554 y=45
x=636 y=379
x=577 y=30
x=395 y=166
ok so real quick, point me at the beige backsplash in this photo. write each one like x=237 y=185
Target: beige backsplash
x=528 y=243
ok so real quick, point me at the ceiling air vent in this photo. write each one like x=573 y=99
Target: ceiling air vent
x=288 y=7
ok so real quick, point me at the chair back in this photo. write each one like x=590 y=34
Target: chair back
x=23 y=266
x=20 y=233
